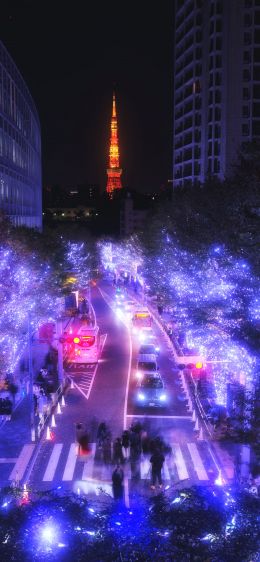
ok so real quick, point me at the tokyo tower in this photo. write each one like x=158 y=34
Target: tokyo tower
x=114 y=171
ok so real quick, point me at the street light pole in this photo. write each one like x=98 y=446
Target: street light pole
x=32 y=414
x=60 y=351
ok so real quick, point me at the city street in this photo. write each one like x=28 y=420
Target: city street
x=105 y=392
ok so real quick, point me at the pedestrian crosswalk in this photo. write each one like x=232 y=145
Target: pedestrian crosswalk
x=61 y=462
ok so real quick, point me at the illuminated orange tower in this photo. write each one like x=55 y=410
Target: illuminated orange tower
x=114 y=171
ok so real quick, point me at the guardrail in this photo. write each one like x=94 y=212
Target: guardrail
x=55 y=396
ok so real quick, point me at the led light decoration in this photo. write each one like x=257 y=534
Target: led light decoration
x=213 y=298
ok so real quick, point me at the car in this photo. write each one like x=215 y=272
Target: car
x=151 y=391
x=146 y=363
x=149 y=348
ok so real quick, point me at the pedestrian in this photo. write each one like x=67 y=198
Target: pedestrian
x=106 y=449
x=118 y=457
x=117 y=482
x=157 y=459
x=146 y=443
x=102 y=433
x=126 y=443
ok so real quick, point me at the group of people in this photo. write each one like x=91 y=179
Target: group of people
x=40 y=392
x=133 y=443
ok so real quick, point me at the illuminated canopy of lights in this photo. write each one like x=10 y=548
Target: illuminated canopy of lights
x=213 y=298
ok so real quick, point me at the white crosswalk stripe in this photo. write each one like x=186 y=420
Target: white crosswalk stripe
x=53 y=463
x=186 y=462
x=89 y=464
x=180 y=463
x=71 y=463
x=197 y=461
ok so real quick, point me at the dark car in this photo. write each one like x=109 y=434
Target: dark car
x=151 y=391
x=149 y=349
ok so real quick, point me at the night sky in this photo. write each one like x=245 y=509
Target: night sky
x=71 y=54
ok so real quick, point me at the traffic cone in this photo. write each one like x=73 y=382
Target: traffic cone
x=53 y=423
x=48 y=434
x=200 y=436
x=196 y=428
x=71 y=383
x=193 y=416
x=58 y=409
x=63 y=400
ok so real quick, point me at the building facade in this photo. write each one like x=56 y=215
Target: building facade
x=20 y=148
x=216 y=86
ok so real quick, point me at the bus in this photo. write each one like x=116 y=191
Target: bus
x=86 y=346
x=142 y=319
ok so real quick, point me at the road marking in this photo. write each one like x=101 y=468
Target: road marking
x=180 y=462
x=166 y=471
x=197 y=462
x=89 y=464
x=22 y=462
x=7 y=460
x=145 y=468
x=94 y=374
x=53 y=462
x=70 y=464
x=159 y=417
x=126 y=488
x=88 y=378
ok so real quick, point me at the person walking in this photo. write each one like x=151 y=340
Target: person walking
x=118 y=457
x=102 y=433
x=157 y=459
x=117 y=482
x=126 y=443
x=106 y=449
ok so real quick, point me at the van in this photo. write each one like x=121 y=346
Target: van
x=146 y=363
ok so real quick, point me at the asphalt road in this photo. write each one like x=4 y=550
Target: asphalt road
x=105 y=393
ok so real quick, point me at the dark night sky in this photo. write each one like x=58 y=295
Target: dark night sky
x=70 y=54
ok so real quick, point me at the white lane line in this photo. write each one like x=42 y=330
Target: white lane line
x=180 y=462
x=126 y=486
x=197 y=462
x=159 y=417
x=166 y=471
x=71 y=463
x=89 y=464
x=145 y=468
x=53 y=463
x=94 y=374
x=22 y=462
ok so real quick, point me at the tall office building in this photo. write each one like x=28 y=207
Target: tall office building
x=20 y=148
x=216 y=85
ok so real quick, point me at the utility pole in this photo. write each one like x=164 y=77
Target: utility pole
x=60 y=351
x=32 y=414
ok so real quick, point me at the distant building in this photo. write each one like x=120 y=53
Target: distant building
x=71 y=204
x=216 y=85
x=131 y=218
x=20 y=148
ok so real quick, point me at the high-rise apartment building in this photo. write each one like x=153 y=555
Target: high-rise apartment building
x=216 y=85
x=20 y=148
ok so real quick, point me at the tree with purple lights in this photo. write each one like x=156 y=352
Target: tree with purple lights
x=28 y=285
x=197 y=523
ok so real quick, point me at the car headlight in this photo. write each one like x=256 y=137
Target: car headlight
x=141 y=337
x=138 y=374
x=140 y=396
x=134 y=330
x=157 y=348
x=163 y=397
